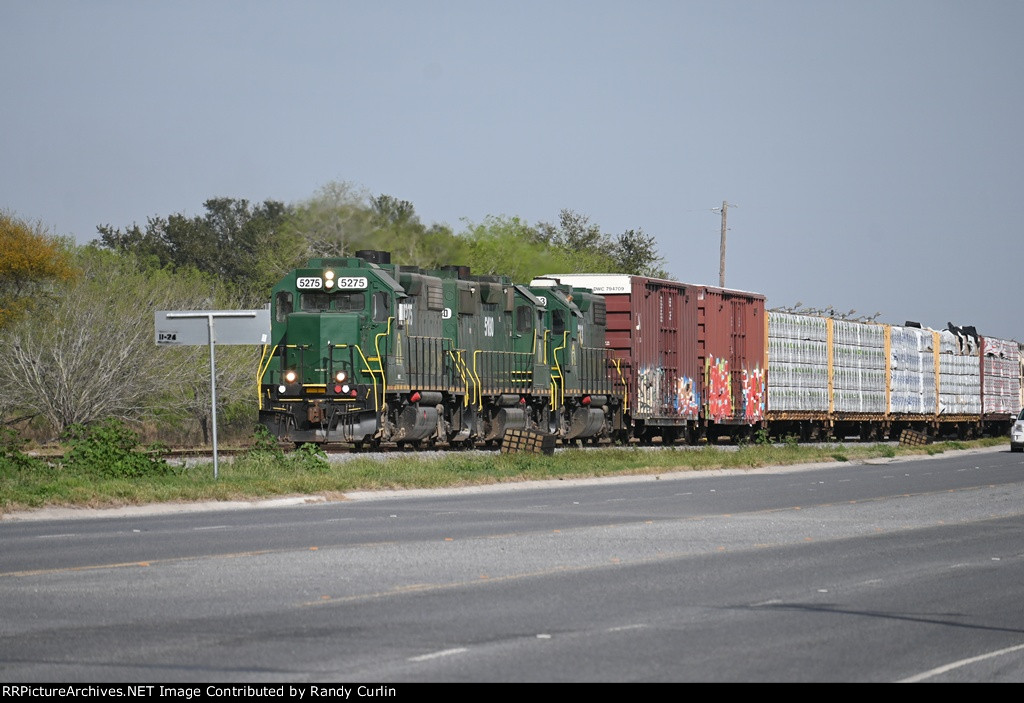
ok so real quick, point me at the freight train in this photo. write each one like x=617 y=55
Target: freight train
x=364 y=351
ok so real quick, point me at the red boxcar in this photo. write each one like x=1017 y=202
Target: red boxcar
x=693 y=356
x=731 y=346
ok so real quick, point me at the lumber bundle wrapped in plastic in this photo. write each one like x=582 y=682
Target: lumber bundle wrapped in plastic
x=1001 y=359
x=912 y=363
x=959 y=374
x=797 y=363
x=858 y=367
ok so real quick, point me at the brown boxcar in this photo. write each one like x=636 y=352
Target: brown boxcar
x=731 y=350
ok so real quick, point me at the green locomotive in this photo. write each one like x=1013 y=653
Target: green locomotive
x=364 y=351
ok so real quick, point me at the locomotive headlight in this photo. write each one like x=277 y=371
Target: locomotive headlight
x=345 y=388
x=329 y=283
x=290 y=376
x=282 y=389
x=329 y=275
x=340 y=376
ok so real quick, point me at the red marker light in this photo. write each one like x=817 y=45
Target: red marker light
x=586 y=400
x=337 y=388
x=415 y=397
x=354 y=393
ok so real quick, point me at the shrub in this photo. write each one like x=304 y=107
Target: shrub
x=111 y=449
x=12 y=459
x=309 y=457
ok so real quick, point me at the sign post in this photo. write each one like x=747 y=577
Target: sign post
x=186 y=327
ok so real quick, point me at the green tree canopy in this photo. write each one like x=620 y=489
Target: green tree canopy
x=510 y=246
x=249 y=246
x=341 y=219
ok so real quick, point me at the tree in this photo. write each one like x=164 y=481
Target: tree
x=574 y=232
x=90 y=354
x=336 y=222
x=248 y=246
x=637 y=253
x=631 y=252
x=32 y=264
x=511 y=247
x=341 y=219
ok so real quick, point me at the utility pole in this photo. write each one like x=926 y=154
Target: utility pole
x=721 y=261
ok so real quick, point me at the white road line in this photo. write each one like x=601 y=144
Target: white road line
x=958 y=664
x=438 y=655
x=622 y=628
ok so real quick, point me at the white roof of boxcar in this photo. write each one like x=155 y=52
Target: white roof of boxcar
x=612 y=283
x=603 y=283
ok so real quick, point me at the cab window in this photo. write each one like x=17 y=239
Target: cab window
x=349 y=302
x=380 y=307
x=524 y=319
x=284 y=304
x=315 y=302
x=557 y=321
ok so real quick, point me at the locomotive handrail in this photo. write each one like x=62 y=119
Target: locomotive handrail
x=475 y=388
x=479 y=383
x=261 y=369
x=456 y=355
x=380 y=363
x=373 y=377
x=558 y=367
x=617 y=362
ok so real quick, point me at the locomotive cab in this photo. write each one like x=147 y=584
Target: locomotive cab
x=320 y=377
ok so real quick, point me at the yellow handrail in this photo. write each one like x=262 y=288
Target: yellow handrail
x=479 y=383
x=457 y=362
x=373 y=377
x=558 y=367
x=380 y=364
x=471 y=386
x=261 y=369
x=625 y=388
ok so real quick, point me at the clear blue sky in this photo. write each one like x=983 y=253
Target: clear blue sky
x=873 y=148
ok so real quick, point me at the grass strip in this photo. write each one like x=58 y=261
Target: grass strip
x=263 y=474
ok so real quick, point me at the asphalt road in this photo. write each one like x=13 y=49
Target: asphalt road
x=887 y=571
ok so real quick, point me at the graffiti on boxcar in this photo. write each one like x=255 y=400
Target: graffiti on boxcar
x=648 y=389
x=687 y=399
x=719 y=389
x=753 y=395
x=658 y=396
